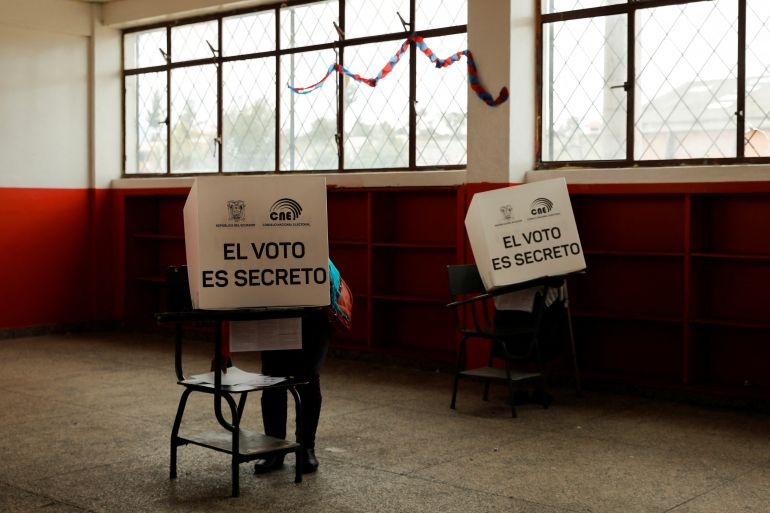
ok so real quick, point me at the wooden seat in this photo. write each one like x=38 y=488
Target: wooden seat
x=512 y=340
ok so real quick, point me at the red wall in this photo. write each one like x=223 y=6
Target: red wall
x=62 y=256
x=56 y=257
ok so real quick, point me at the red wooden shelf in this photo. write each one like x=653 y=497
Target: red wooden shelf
x=731 y=256
x=733 y=323
x=690 y=249
x=411 y=299
x=354 y=243
x=644 y=254
x=348 y=343
x=151 y=279
x=159 y=236
x=633 y=379
x=687 y=251
x=626 y=316
x=398 y=245
x=749 y=392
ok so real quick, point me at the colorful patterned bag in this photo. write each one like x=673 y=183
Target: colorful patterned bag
x=340 y=309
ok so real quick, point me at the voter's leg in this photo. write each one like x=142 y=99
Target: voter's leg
x=316 y=335
x=274 y=363
x=310 y=394
x=305 y=365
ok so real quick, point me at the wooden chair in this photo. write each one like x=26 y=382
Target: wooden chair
x=516 y=344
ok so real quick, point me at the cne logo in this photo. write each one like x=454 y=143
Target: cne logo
x=541 y=206
x=285 y=209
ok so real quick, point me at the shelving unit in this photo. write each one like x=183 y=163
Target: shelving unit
x=729 y=315
x=392 y=246
x=628 y=308
x=674 y=293
x=154 y=240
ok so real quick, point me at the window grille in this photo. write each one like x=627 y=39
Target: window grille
x=654 y=82
x=210 y=95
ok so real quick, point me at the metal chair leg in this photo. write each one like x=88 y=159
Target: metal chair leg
x=236 y=433
x=541 y=381
x=511 y=391
x=460 y=366
x=490 y=361
x=175 y=431
x=578 y=387
x=242 y=404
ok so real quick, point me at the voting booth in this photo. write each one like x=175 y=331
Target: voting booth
x=524 y=232
x=257 y=241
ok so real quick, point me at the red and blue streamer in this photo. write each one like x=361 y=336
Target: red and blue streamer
x=473 y=73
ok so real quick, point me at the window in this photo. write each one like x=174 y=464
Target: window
x=654 y=82
x=210 y=95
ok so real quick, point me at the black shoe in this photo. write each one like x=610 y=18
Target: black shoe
x=309 y=462
x=268 y=464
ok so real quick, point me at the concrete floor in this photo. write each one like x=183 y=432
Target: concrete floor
x=86 y=419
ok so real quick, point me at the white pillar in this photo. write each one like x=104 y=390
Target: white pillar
x=501 y=140
x=106 y=90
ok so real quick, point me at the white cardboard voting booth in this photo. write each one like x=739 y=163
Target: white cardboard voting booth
x=524 y=232
x=257 y=241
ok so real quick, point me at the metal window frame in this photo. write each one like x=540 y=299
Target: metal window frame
x=630 y=9
x=277 y=53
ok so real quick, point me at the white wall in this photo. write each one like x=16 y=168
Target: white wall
x=60 y=16
x=521 y=82
x=43 y=106
x=106 y=95
x=125 y=13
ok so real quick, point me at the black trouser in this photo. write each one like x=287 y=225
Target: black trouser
x=305 y=365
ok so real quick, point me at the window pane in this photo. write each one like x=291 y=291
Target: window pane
x=250 y=33
x=248 y=117
x=442 y=105
x=685 y=81
x=194 y=119
x=584 y=104
x=309 y=24
x=146 y=137
x=440 y=13
x=189 y=42
x=757 y=134
x=376 y=118
x=367 y=17
x=144 y=49
x=549 y=6
x=308 y=121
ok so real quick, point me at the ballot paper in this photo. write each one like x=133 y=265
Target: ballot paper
x=236 y=376
x=266 y=334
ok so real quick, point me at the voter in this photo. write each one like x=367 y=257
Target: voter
x=304 y=364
